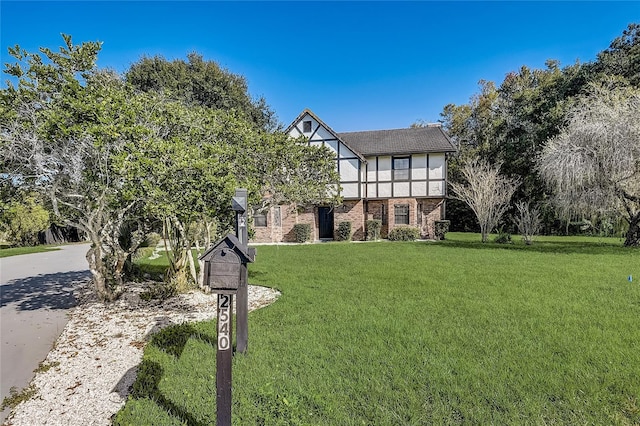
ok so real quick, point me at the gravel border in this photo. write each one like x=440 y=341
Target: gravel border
x=88 y=374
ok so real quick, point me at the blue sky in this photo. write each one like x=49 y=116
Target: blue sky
x=357 y=65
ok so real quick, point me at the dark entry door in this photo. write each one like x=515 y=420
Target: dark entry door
x=325 y=222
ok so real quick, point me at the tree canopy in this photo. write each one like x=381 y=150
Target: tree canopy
x=593 y=164
x=512 y=122
x=202 y=83
x=116 y=161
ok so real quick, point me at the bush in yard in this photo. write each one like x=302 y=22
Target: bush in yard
x=23 y=220
x=151 y=240
x=528 y=221
x=344 y=231
x=503 y=238
x=302 y=232
x=404 y=233
x=441 y=228
x=373 y=229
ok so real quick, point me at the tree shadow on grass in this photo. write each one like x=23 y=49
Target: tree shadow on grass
x=51 y=291
x=172 y=340
x=146 y=386
x=552 y=247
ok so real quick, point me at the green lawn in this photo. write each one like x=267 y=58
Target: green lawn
x=15 y=251
x=455 y=332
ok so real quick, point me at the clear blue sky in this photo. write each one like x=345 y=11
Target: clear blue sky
x=358 y=65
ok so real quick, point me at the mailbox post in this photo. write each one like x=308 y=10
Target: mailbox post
x=239 y=205
x=223 y=264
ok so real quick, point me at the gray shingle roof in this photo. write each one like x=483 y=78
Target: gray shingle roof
x=398 y=141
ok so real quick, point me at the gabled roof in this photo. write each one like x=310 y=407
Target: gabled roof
x=329 y=129
x=399 y=141
x=387 y=142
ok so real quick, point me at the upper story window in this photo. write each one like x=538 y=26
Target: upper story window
x=401 y=167
x=306 y=127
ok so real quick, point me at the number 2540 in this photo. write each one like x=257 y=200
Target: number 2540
x=224 y=320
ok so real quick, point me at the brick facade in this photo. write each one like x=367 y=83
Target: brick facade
x=423 y=212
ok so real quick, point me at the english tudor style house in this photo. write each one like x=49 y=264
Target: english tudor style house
x=395 y=176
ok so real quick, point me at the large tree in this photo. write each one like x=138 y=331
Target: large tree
x=593 y=165
x=62 y=125
x=512 y=122
x=203 y=83
x=114 y=160
x=622 y=58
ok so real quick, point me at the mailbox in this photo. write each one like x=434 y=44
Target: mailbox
x=223 y=264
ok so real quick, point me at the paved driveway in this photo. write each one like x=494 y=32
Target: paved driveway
x=36 y=291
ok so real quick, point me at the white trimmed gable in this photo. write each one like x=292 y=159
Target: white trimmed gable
x=399 y=163
x=348 y=163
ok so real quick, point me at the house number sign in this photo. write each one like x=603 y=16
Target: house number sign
x=224 y=356
x=224 y=322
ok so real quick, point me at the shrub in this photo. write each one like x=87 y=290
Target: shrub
x=151 y=240
x=404 y=233
x=528 y=221
x=344 y=231
x=373 y=229
x=302 y=232
x=441 y=227
x=503 y=238
x=24 y=219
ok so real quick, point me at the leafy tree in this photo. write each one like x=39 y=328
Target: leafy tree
x=486 y=192
x=115 y=161
x=24 y=219
x=593 y=165
x=61 y=127
x=202 y=83
x=622 y=58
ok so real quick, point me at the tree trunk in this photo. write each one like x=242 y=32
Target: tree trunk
x=484 y=233
x=100 y=272
x=633 y=234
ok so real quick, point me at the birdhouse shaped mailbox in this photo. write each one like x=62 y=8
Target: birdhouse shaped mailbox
x=223 y=264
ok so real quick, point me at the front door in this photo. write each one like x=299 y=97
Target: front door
x=325 y=222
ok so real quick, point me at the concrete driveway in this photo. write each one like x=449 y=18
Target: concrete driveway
x=36 y=291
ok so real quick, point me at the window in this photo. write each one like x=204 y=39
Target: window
x=259 y=219
x=401 y=168
x=306 y=126
x=401 y=213
x=277 y=216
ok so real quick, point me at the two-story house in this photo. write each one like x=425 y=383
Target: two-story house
x=396 y=176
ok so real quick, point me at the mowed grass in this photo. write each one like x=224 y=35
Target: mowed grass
x=455 y=332
x=16 y=251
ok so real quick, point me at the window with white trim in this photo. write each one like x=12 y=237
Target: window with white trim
x=401 y=167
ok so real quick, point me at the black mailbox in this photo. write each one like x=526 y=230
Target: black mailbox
x=223 y=264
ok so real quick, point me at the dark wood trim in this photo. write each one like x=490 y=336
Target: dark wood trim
x=315 y=131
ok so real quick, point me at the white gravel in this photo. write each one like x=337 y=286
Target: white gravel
x=93 y=363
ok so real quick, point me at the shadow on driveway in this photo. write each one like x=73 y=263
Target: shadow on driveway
x=51 y=291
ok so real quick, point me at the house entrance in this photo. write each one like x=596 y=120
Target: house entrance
x=325 y=222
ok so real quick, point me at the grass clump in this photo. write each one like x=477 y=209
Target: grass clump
x=17 y=396
x=43 y=367
x=418 y=333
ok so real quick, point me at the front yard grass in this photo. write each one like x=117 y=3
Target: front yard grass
x=454 y=332
x=15 y=251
